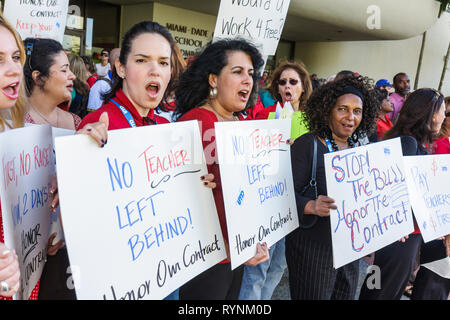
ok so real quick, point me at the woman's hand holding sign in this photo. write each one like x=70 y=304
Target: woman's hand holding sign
x=321 y=206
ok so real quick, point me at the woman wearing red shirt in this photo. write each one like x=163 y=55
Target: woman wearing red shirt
x=418 y=123
x=144 y=77
x=217 y=86
x=442 y=144
x=11 y=73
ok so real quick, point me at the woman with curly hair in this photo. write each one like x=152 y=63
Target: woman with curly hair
x=417 y=125
x=337 y=113
x=218 y=86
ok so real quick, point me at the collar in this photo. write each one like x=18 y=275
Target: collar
x=122 y=99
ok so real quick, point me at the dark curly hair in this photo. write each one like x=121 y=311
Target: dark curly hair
x=323 y=99
x=193 y=87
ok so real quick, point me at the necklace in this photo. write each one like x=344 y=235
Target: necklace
x=45 y=119
x=332 y=145
x=220 y=117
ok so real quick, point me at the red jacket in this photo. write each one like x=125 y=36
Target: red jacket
x=116 y=118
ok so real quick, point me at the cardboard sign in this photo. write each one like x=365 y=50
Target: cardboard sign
x=257 y=185
x=138 y=221
x=428 y=179
x=259 y=21
x=28 y=166
x=37 y=18
x=368 y=185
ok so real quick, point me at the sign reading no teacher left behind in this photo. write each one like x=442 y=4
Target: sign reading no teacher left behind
x=260 y=21
x=37 y=19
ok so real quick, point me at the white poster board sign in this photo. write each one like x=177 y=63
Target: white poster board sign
x=369 y=187
x=27 y=169
x=259 y=21
x=56 y=221
x=37 y=19
x=256 y=177
x=428 y=179
x=138 y=221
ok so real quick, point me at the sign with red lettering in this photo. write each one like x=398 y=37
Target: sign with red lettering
x=368 y=184
x=37 y=18
x=257 y=185
x=428 y=179
x=28 y=165
x=138 y=221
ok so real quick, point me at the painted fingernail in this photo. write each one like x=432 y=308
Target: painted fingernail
x=202 y=178
x=205 y=183
x=89 y=130
x=103 y=141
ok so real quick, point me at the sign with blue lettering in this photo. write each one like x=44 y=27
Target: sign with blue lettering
x=257 y=185
x=368 y=184
x=28 y=166
x=137 y=219
x=428 y=179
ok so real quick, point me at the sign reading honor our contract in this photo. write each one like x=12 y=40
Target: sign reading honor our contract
x=28 y=166
x=261 y=21
x=258 y=191
x=37 y=18
x=138 y=221
x=368 y=184
x=428 y=179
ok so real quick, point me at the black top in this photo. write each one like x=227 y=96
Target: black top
x=301 y=160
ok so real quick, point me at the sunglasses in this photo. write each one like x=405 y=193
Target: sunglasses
x=105 y=55
x=283 y=82
x=447 y=114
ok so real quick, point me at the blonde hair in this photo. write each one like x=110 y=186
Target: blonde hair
x=17 y=112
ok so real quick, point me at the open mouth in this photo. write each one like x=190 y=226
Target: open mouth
x=12 y=90
x=348 y=127
x=152 y=89
x=287 y=96
x=244 y=94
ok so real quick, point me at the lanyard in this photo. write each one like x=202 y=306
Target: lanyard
x=330 y=147
x=126 y=114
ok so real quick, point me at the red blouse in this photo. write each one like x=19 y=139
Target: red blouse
x=206 y=120
x=116 y=118
x=441 y=146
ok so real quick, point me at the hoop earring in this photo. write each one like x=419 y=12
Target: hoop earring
x=213 y=93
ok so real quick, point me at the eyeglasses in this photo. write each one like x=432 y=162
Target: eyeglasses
x=283 y=82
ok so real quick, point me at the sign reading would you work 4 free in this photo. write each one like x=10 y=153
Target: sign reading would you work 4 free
x=261 y=21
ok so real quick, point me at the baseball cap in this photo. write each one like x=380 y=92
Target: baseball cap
x=383 y=83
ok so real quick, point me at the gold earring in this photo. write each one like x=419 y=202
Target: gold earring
x=213 y=93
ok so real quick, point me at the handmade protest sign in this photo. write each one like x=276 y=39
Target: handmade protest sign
x=37 y=19
x=257 y=185
x=27 y=169
x=55 y=226
x=259 y=21
x=138 y=221
x=428 y=179
x=369 y=188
